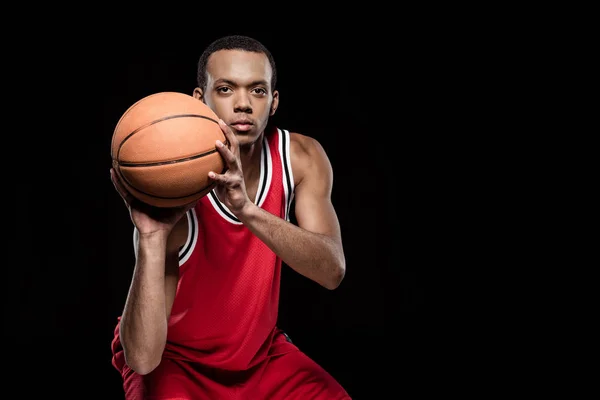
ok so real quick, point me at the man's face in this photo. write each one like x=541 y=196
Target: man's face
x=238 y=90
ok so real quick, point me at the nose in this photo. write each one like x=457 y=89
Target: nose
x=242 y=103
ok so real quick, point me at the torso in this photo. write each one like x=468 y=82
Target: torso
x=228 y=291
x=298 y=161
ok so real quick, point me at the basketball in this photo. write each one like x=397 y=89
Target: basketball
x=163 y=147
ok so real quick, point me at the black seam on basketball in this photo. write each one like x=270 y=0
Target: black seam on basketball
x=160 y=120
x=167 y=198
x=156 y=163
x=124 y=178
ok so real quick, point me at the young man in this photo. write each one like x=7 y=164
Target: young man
x=200 y=317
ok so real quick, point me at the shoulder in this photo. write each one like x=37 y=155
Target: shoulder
x=303 y=144
x=307 y=157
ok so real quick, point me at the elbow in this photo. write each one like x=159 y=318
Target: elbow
x=142 y=355
x=142 y=370
x=336 y=278
x=140 y=364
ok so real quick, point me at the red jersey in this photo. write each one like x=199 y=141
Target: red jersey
x=225 y=309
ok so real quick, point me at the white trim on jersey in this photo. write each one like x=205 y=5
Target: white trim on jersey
x=222 y=209
x=264 y=184
x=288 y=176
x=186 y=251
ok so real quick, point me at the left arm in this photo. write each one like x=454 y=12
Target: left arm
x=314 y=247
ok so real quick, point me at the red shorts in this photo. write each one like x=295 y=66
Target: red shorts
x=291 y=375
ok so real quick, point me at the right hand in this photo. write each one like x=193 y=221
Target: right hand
x=146 y=218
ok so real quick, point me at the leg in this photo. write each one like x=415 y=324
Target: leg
x=174 y=380
x=294 y=375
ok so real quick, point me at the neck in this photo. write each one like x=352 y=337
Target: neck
x=250 y=155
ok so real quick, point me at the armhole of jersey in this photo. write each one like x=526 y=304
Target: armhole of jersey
x=288 y=176
x=186 y=250
x=190 y=243
x=266 y=173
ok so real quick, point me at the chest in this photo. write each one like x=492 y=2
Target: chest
x=252 y=188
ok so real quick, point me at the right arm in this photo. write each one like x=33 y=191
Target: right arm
x=159 y=234
x=143 y=327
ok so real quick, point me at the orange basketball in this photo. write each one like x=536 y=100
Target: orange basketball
x=164 y=146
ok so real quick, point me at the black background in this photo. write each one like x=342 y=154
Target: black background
x=71 y=254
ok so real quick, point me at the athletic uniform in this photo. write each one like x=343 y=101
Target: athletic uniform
x=222 y=340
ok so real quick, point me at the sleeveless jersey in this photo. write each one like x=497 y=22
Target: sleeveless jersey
x=225 y=309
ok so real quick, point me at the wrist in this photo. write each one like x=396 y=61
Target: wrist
x=247 y=210
x=153 y=238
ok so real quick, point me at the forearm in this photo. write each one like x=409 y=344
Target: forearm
x=143 y=328
x=315 y=256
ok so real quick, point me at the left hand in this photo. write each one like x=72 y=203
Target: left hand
x=231 y=188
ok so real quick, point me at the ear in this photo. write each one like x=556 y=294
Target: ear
x=198 y=94
x=274 y=103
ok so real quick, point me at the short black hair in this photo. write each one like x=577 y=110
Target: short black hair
x=233 y=42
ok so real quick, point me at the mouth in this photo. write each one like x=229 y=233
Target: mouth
x=242 y=126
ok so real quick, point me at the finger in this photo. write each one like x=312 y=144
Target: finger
x=119 y=187
x=219 y=178
x=127 y=197
x=227 y=155
x=229 y=135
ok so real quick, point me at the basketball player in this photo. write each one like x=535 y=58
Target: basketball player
x=199 y=320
